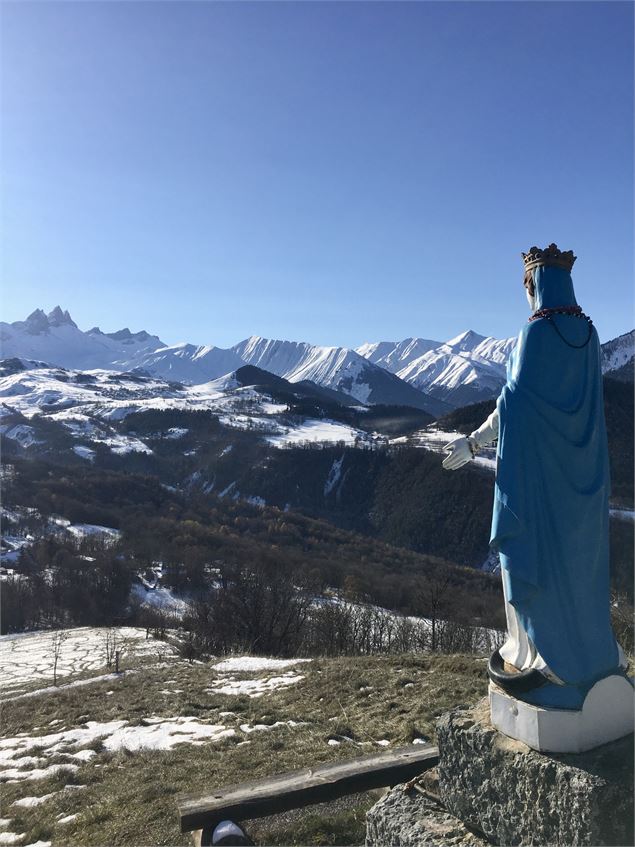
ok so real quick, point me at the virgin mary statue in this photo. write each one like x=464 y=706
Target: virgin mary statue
x=550 y=519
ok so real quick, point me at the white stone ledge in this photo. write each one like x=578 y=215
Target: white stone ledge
x=608 y=714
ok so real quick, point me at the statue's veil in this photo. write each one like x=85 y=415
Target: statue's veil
x=550 y=520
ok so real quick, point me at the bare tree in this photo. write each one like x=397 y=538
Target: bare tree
x=115 y=647
x=434 y=599
x=109 y=640
x=57 y=642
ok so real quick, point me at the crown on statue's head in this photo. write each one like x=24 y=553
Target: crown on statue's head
x=549 y=256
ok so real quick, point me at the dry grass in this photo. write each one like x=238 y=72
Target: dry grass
x=129 y=798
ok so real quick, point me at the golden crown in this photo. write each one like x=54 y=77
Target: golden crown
x=549 y=256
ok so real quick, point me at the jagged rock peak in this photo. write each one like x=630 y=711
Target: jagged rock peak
x=37 y=322
x=57 y=317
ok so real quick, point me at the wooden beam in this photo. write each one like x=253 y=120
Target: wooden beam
x=271 y=795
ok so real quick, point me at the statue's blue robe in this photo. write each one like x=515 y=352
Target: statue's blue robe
x=551 y=518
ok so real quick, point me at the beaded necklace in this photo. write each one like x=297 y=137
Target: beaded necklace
x=575 y=311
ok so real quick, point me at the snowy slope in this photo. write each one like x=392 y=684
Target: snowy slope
x=619 y=355
x=472 y=367
x=464 y=370
x=339 y=368
x=417 y=372
x=189 y=363
x=89 y=406
x=55 y=338
x=396 y=355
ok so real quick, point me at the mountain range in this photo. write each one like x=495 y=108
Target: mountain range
x=435 y=376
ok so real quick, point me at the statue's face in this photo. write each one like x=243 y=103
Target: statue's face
x=528 y=282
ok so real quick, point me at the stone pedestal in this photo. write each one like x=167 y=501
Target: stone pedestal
x=496 y=790
x=408 y=819
x=516 y=795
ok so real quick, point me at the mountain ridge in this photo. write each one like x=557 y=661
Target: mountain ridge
x=422 y=373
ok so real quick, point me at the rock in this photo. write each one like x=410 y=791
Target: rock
x=516 y=795
x=408 y=819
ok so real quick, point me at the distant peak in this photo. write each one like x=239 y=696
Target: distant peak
x=466 y=339
x=37 y=322
x=125 y=335
x=57 y=317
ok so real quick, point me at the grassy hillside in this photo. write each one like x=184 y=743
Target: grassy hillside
x=120 y=794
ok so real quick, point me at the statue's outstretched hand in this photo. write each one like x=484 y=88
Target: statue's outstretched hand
x=461 y=451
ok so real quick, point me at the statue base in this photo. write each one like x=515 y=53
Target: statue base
x=408 y=819
x=493 y=789
x=608 y=713
x=516 y=795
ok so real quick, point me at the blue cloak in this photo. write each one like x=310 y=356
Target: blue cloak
x=550 y=521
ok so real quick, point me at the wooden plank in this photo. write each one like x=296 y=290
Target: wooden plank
x=279 y=793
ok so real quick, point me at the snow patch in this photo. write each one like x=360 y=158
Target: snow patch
x=334 y=475
x=254 y=663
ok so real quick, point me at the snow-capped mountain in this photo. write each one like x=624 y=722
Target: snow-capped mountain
x=396 y=355
x=59 y=408
x=472 y=367
x=423 y=373
x=55 y=338
x=338 y=368
x=189 y=363
x=466 y=369
x=618 y=356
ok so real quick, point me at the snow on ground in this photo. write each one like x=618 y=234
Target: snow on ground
x=229 y=684
x=176 y=432
x=253 y=687
x=318 y=430
x=255 y=663
x=28 y=657
x=79 y=683
x=80 y=530
x=12 y=545
x=29 y=802
x=154 y=733
x=159 y=598
x=122 y=444
x=334 y=476
x=623 y=514
x=84 y=452
x=274 y=408
x=11 y=838
x=266 y=727
x=28 y=757
x=87 y=404
x=250 y=422
x=22 y=433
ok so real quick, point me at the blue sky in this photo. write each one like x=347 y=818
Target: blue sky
x=330 y=172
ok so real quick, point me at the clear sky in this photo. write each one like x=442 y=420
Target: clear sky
x=331 y=172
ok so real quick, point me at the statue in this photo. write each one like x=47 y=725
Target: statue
x=550 y=526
